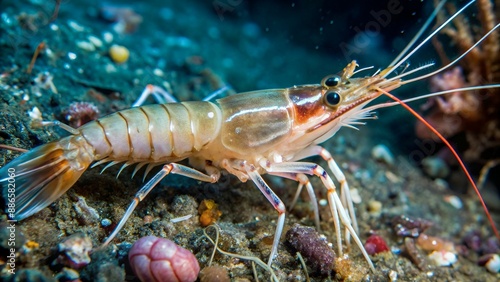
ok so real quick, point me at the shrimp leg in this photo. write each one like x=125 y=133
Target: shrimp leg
x=143 y=192
x=303 y=181
x=334 y=201
x=251 y=171
x=57 y=123
x=160 y=95
x=345 y=193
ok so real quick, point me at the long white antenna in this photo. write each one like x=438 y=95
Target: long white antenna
x=419 y=33
x=428 y=38
x=454 y=61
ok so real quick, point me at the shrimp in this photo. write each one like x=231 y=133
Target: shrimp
x=247 y=135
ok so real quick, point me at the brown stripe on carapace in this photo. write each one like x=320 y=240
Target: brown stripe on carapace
x=307 y=102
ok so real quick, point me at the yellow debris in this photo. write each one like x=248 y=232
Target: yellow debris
x=32 y=245
x=209 y=213
x=119 y=54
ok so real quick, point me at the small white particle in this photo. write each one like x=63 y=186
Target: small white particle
x=95 y=41
x=71 y=55
x=182 y=218
x=211 y=114
x=85 y=45
x=493 y=265
x=443 y=258
x=393 y=275
x=323 y=202
x=108 y=37
x=35 y=114
x=75 y=26
x=356 y=198
x=54 y=27
x=158 y=72
x=454 y=201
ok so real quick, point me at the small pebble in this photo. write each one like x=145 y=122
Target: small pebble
x=68 y=274
x=454 y=201
x=491 y=262
x=443 y=258
x=86 y=46
x=355 y=196
x=382 y=153
x=74 y=250
x=376 y=244
x=374 y=206
x=435 y=167
x=323 y=202
x=108 y=37
x=35 y=114
x=393 y=276
x=214 y=274
x=95 y=41
x=105 y=222
x=147 y=219
x=119 y=54
x=76 y=26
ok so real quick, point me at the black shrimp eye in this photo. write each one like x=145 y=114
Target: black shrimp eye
x=332 y=98
x=331 y=81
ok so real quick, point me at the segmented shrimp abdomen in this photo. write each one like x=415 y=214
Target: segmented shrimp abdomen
x=154 y=132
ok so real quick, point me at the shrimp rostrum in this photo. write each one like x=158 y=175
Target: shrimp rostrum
x=247 y=135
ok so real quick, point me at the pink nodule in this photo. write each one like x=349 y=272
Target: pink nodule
x=161 y=260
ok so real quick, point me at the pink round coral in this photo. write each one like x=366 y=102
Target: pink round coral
x=79 y=113
x=159 y=259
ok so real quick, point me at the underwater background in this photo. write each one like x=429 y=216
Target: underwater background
x=74 y=61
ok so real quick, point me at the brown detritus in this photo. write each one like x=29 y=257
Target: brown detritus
x=475 y=242
x=43 y=80
x=312 y=247
x=346 y=270
x=126 y=19
x=12 y=148
x=101 y=98
x=414 y=254
x=408 y=227
x=214 y=274
x=32 y=22
x=86 y=214
x=483 y=175
x=56 y=11
x=209 y=212
x=39 y=49
x=147 y=219
x=79 y=113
